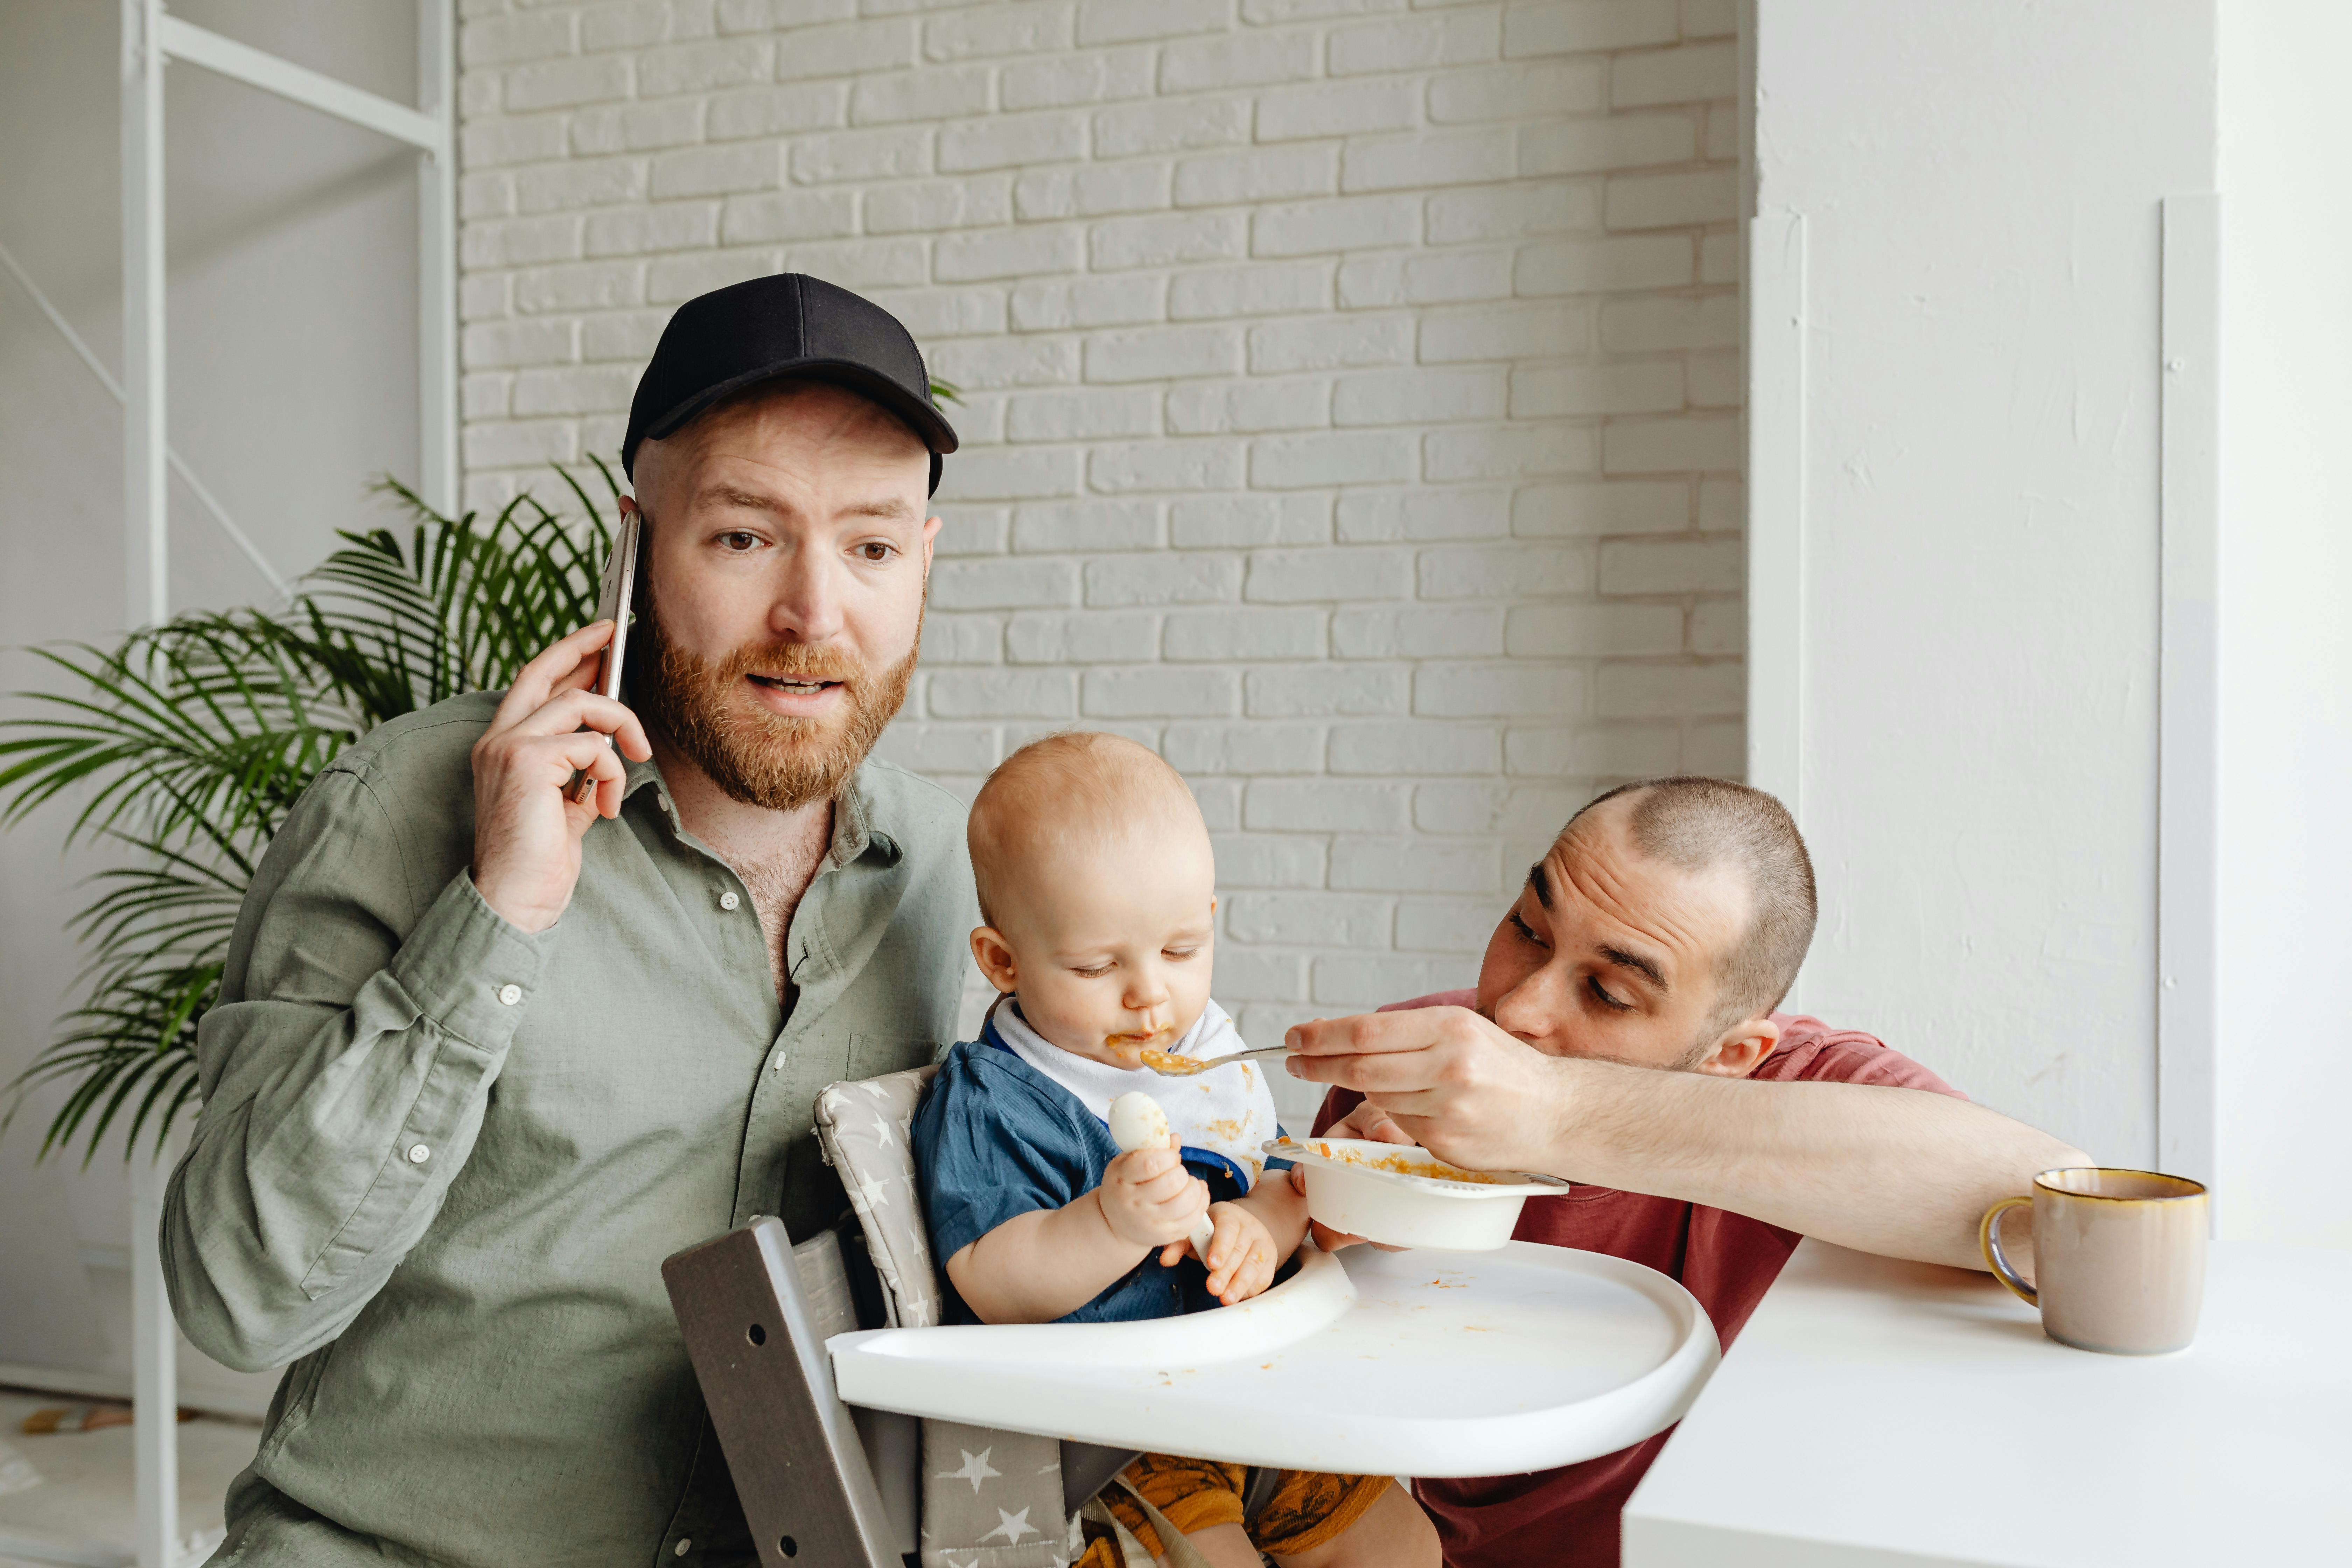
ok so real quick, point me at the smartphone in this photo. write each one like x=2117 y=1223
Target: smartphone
x=613 y=602
x=618 y=592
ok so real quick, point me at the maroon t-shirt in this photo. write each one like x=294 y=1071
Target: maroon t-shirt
x=1568 y=1518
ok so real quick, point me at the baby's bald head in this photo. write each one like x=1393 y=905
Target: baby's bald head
x=1061 y=802
x=1099 y=891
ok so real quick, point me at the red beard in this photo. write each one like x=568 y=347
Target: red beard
x=757 y=755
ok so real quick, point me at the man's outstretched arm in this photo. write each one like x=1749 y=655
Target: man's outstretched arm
x=1890 y=1171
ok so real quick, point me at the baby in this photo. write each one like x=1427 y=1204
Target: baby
x=1097 y=887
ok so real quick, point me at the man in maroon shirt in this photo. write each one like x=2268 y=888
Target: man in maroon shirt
x=1659 y=932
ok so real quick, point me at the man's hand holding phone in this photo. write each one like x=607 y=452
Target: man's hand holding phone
x=551 y=726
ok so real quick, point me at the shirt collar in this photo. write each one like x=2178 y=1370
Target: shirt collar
x=855 y=831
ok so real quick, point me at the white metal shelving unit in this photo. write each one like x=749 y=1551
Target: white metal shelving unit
x=151 y=39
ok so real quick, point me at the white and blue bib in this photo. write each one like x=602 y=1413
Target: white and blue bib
x=1224 y=1117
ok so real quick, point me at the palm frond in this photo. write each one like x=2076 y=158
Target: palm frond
x=188 y=743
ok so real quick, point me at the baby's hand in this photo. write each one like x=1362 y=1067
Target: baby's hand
x=1148 y=1199
x=1240 y=1258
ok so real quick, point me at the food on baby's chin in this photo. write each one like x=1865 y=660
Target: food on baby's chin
x=1138 y=1044
x=1406 y=1165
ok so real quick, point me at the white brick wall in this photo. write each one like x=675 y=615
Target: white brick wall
x=1351 y=392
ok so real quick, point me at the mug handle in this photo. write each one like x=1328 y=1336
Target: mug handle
x=1988 y=1238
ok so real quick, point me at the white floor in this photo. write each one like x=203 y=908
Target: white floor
x=84 y=1497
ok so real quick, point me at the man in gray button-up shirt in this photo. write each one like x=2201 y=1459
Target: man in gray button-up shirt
x=488 y=1048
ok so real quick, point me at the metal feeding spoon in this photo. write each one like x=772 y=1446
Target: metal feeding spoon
x=1169 y=1065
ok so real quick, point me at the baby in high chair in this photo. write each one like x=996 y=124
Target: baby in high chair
x=1098 y=890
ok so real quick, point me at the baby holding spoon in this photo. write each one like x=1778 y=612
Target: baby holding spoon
x=1098 y=889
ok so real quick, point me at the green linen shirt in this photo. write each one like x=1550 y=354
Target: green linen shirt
x=440 y=1160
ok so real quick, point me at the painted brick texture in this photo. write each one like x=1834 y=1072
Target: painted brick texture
x=1350 y=392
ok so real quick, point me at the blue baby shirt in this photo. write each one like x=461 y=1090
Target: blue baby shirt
x=995 y=1137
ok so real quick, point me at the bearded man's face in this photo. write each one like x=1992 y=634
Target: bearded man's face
x=787 y=548
x=763 y=757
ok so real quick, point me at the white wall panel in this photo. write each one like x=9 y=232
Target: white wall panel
x=1973 y=656
x=2285 y=916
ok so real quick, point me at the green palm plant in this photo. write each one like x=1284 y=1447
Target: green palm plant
x=187 y=743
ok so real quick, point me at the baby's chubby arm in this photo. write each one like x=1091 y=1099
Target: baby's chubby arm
x=1047 y=1263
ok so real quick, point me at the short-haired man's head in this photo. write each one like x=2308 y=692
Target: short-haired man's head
x=1699 y=825
x=1082 y=793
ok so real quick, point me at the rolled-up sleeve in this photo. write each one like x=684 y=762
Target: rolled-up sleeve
x=344 y=1073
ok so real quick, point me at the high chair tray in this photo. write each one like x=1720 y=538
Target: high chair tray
x=1417 y=1363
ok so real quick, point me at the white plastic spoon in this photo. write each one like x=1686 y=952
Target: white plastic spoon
x=1137 y=1122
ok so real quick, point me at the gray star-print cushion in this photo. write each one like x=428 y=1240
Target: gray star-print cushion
x=863 y=1128
x=991 y=1500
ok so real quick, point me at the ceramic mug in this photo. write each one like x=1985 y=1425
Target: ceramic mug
x=2118 y=1258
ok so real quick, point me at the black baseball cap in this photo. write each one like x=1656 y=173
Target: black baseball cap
x=790 y=325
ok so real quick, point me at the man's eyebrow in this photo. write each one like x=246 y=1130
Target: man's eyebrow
x=1646 y=967
x=893 y=508
x=735 y=495
x=1540 y=883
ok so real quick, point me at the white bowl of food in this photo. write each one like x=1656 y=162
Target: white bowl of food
x=1401 y=1195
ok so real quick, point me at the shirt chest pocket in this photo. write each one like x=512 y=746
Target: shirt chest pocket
x=805 y=1067
x=875 y=1056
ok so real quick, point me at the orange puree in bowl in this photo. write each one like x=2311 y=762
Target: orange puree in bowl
x=1404 y=1164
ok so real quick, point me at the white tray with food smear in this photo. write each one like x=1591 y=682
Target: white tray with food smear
x=1363 y=1362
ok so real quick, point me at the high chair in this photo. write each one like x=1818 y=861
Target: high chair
x=861 y=1435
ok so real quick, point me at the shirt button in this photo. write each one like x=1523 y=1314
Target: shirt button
x=685 y=1541
x=509 y=994
x=727 y=900
x=418 y=1154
